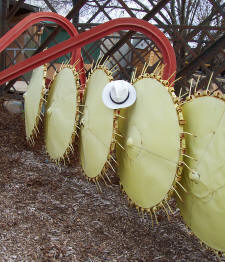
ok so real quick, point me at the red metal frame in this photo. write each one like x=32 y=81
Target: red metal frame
x=32 y=19
x=94 y=34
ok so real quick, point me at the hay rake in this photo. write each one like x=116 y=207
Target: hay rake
x=149 y=163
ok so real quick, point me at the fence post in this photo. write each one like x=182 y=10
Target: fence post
x=3 y=14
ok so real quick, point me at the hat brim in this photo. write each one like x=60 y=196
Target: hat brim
x=110 y=104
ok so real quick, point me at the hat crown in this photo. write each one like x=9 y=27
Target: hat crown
x=119 y=91
x=118 y=94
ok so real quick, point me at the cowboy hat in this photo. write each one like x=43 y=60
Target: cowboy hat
x=118 y=94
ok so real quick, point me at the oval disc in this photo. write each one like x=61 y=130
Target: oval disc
x=33 y=101
x=149 y=151
x=98 y=125
x=203 y=208
x=62 y=113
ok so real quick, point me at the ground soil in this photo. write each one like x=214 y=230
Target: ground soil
x=51 y=213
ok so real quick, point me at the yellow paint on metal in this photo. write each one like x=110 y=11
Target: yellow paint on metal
x=203 y=209
x=97 y=126
x=33 y=100
x=151 y=139
x=62 y=115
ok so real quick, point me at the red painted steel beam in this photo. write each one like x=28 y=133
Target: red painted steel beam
x=32 y=19
x=92 y=35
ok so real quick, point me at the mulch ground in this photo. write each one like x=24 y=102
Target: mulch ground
x=51 y=213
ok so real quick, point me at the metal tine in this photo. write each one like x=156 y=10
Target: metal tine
x=157 y=222
x=182 y=186
x=184 y=94
x=133 y=75
x=167 y=214
x=169 y=207
x=199 y=77
x=180 y=93
x=157 y=67
x=162 y=68
x=190 y=157
x=114 y=160
x=171 y=75
x=143 y=69
x=190 y=87
x=174 y=189
x=210 y=79
x=150 y=212
x=175 y=81
x=111 y=166
x=188 y=133
x=98 y=185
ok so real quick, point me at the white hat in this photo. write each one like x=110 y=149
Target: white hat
x=118 y=94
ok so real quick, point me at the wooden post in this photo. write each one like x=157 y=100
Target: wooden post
x=76 y=16
x=3 y=14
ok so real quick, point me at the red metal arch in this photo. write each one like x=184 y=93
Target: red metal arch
x=94 y=34
x=32 y=19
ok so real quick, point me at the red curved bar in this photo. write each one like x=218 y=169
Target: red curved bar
x=94 y=34
x=32 y=19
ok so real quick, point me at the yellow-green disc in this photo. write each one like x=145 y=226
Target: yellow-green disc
x=151 y=142
x=33 y=100
x=61 y=117
x=97 y=126
x=203 y=209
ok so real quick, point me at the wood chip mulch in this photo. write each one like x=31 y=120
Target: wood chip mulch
x=50 y=213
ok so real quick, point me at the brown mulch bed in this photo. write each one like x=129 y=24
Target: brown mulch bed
x=51 y=213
